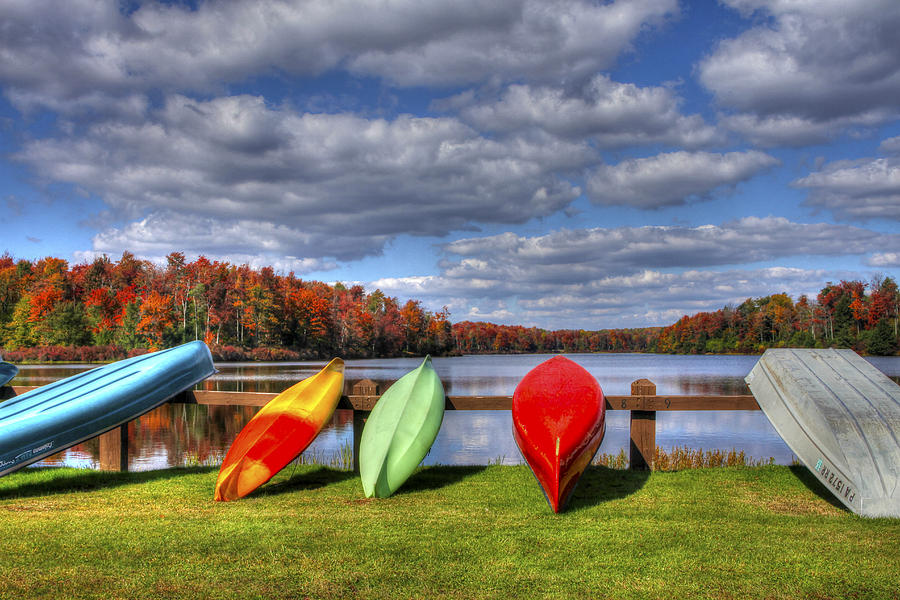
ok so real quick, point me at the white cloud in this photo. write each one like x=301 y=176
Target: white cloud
x=860 y=190
x=634 y=276
x=257 y=243
x=587 y=254
x=92 y=55
x=646 y=298
x=674 y=178
x=816 y=67
x=611 y=114
x=890 y=145
x=234 y=171
x=550 y=40
x=884 y=259
x=792 y=130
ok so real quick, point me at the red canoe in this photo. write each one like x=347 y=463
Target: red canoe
x=558 y=414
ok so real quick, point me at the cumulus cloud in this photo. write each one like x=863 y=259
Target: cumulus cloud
x=644 y=298
x=257 y=243
x=859 y=190
x=658 y=298
x=674 y=178
x=568 y=278
x=309 y=185
x=584 y=254
x=792 y=130
x=93 y=55
x=612 y=114
x=817 y=67
x=884 y=259
x=634 y=276
x=536 y=39
x=890 y=145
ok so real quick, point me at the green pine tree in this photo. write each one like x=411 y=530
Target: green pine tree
x=882 y=341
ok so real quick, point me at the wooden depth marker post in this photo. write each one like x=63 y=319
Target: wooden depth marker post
x=114 y=449
x=369 y=388
x=643 y=428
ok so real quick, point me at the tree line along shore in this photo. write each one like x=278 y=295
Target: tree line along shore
x=106 y=309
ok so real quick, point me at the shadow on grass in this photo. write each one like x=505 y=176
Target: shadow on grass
x=426 y=478
x=436 y=477
x=602 y=484
x=309 y=480
x=57 y=480
x=812 y=483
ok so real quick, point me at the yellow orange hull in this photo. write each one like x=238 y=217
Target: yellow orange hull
x=279 y=432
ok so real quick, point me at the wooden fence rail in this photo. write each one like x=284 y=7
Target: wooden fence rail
x=360 y=397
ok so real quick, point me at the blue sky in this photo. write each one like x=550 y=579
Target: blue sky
x=538 y=162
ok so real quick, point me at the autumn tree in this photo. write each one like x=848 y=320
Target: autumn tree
x=102 y=310
x=65 y=325
x=413 y=319
x=18 y=331
x=177 y=282
x=156 y=318
x=137 y=304
x=310 y=309
x=11 y=287
x=884 y=303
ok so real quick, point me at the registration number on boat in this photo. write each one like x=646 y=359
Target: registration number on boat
x=834 y=481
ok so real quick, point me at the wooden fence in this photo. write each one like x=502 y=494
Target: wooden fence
x=360 y=397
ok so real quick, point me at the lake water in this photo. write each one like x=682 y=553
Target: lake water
x=178 y=434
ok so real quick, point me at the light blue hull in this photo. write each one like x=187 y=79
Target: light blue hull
x=67 y=412
x=7 y=372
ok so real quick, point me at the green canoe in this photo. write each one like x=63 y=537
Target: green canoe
x=400 y=430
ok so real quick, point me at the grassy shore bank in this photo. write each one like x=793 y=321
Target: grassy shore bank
x=452 y=532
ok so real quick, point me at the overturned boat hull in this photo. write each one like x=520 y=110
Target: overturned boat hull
x=67 y=412
x=841 y=417
x=280 y=432
x=559 y=418
x=400 y=431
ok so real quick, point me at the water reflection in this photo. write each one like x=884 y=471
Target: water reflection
x=178 y=434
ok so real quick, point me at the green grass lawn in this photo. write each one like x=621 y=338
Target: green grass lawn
x=451 y=532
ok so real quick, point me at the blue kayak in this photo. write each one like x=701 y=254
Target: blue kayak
x=7 y=372
x=67 y=412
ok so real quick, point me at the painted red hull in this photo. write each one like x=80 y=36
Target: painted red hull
x=558 y=414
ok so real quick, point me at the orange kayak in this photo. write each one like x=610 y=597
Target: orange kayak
x=279 y=432
x=558 y=414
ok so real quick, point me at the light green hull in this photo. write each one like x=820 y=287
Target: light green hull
x=400 y=431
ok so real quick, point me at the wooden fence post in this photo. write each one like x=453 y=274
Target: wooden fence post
x=643 y=428
x=366 y=387
x=114 y=449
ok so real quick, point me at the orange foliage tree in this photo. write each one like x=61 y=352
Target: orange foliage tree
x=136 y=304
x=156 y=318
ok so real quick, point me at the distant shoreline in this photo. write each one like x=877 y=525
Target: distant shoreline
x=103 y=355
x=106 y=310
